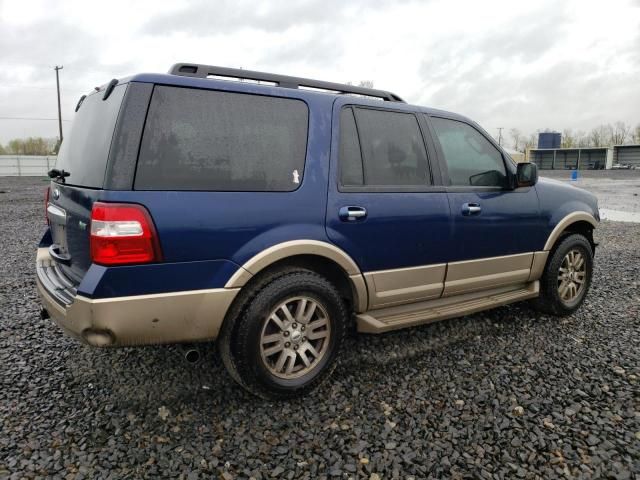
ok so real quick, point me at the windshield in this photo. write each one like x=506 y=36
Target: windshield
x=85 y=149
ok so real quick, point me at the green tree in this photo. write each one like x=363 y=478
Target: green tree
x=32 y=146
x=568 y=139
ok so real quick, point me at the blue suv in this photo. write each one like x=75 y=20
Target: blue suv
x=271 y=213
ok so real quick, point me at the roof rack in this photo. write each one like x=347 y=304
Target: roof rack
x=205 y=71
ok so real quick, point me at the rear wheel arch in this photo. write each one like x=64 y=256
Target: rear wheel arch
x=273 y=273
x=320 y=257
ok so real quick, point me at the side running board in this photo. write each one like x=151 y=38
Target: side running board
x=397 y=317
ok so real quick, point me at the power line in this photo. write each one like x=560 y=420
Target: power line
x=10 y=86
x=32 y=118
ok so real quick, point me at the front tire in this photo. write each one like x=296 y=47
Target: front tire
x=285 y=342
x=567 y=277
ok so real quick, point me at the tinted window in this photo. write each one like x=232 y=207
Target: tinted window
x=350 y=157
x=392 y=147
x=209 y=140
x=471 y=159
x=85 y=149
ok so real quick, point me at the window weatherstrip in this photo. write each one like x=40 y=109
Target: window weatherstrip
x=355 y=122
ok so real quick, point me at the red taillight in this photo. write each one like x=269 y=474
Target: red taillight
x=47 y=192
x=122 y=233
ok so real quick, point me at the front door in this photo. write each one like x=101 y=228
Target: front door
x=383 y=207
x=495 y=229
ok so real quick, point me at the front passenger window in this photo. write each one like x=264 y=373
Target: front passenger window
x=471 y=159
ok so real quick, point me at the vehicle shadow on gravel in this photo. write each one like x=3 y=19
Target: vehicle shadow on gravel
x=156 y=375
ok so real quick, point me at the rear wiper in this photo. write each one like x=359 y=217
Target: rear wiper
x=58 y=174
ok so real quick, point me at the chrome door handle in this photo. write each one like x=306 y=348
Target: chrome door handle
x=351 y=214
x=469 y=209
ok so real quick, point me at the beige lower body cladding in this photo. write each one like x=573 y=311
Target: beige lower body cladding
x=143 y=319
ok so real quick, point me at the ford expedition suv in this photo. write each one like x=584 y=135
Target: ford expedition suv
x=271 y=212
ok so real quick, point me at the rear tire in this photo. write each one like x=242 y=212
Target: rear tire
x=284 y=343
x=567 y=277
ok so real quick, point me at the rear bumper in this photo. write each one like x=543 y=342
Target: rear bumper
x=141 y=319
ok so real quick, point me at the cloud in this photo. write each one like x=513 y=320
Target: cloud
x=515 y=65
x=207 y=18
x=539 y=71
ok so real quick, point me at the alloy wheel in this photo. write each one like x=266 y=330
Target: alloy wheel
x=295 y=337
x=572 y=276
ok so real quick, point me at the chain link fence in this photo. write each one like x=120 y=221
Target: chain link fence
x=26 y=165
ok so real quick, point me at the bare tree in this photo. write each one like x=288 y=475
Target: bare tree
x=530 y=142
x=604 y=135
x=619 y=133
x=600 y=136
x=516 y=137
x=581 y=139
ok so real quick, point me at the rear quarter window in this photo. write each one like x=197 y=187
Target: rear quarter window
x=222 y=141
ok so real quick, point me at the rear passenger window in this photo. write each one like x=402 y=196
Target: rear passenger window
x=393 y=151
x=211 y=140
x=471 y=159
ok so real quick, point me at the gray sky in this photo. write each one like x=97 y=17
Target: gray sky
x=526 y=65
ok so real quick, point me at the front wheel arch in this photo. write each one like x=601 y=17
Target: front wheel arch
x=576 y=222
x=549 y=300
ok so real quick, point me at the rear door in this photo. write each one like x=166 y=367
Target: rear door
x=385 y=208
x=495 y=228
x=83 y=155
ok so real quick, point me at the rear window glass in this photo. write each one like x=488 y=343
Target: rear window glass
x=211 y=140
x=85 y=149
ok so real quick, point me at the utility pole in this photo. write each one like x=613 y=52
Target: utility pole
x=57 y=68
x=500 y=135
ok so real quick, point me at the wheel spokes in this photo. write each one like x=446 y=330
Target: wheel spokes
x=303 y=356
x=285 y=309
x=313 y=332
x=273 y=350
x=300 y=309
x=282 y=359
x=579 y=261
x=295 y=337
x=572 y=275
x=309 y=313
x=279 y=323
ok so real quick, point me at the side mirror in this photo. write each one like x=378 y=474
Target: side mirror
x=527 y=174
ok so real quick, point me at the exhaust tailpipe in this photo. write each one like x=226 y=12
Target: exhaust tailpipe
x=191 y=355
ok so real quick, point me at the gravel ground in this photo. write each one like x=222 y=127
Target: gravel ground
x=502 y=394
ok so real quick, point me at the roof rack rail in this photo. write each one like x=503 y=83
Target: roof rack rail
x=285 y=81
